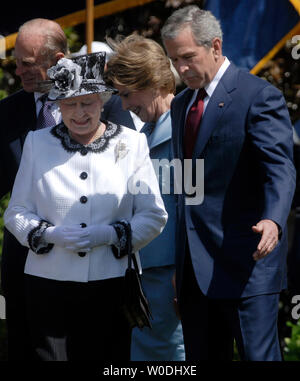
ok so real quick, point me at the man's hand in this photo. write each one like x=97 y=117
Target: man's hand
x=269 y=238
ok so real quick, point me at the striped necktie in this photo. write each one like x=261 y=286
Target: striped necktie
x=45 y=117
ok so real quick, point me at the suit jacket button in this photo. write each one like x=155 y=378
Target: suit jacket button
x=83 y=199
x=83 y=175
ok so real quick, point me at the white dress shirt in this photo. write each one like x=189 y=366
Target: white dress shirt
x=50 y=187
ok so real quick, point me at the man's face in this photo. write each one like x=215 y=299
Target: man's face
x=32 y=66
x=196 y=65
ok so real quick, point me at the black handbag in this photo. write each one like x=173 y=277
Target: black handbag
x=135 y=304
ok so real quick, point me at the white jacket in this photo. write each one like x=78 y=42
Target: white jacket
x=50 y=186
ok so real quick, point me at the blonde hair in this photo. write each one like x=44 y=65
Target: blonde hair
x=139 y=63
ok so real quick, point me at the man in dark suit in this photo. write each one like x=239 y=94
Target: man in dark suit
x=231 y=247
x=39 y=45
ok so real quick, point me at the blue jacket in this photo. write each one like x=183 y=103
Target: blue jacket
x=161 y=251
x=246 y=142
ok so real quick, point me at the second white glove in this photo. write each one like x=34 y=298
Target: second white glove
x=65 y=235
x=95 y=235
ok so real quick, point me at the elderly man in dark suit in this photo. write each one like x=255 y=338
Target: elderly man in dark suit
x=40 y=44
x=231 y=247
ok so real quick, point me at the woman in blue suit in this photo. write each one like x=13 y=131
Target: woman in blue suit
x=141 y=72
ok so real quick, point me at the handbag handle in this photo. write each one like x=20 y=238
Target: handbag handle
x=129 y=245
x=131 y=256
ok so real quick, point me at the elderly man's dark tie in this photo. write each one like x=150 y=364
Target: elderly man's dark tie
x=192 y=124
x=45 y=117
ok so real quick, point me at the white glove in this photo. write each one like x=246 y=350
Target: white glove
x=95 y=235
x=65 y=235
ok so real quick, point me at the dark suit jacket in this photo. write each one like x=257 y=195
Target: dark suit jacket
x=17 y=117
x=246 y=142
x=114 y=112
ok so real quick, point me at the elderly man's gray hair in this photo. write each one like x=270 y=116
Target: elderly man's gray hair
x=205 y=27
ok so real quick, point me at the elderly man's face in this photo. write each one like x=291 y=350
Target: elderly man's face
x=32 y=66
x=196 y=65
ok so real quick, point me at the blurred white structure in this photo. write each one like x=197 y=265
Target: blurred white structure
x=97 y=46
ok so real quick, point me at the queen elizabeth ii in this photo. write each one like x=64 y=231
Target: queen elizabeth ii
x=78 y=184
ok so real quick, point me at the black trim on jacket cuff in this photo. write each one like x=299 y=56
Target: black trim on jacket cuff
x=121 y=227
x=35 y=240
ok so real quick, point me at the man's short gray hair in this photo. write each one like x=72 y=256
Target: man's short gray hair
x=204 y=25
